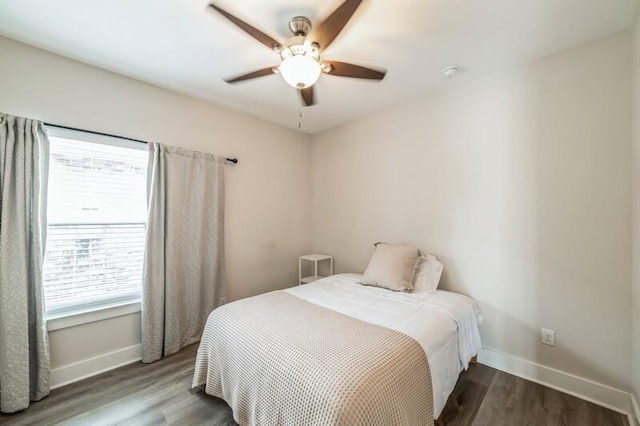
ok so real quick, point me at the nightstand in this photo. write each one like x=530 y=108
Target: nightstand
x=315 y=259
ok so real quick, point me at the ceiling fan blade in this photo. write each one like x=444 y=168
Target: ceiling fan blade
x=254 y=74
x=268 y=41
x=329 y=29
x=307 y=96
x=344 y=69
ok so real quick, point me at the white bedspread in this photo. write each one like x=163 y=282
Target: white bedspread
x=444 y=323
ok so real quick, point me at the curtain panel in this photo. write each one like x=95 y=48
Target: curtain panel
x=184 y=272
x=24 y=346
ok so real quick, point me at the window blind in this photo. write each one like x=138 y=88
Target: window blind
x=96 y=215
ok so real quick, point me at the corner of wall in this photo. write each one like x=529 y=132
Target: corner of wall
x=635 y=338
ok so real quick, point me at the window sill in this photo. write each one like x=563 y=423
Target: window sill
x=96 y=314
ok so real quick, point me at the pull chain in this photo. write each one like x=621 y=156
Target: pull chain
x=300 y=119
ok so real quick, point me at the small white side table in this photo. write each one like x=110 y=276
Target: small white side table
x=314 y=258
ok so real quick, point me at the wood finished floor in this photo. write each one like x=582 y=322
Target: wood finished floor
x=158 y=394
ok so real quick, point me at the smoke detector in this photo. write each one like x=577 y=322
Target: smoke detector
x=450 y=71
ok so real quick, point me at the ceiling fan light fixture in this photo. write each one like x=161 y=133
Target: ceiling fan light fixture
x=300 y=63
x=300 y=71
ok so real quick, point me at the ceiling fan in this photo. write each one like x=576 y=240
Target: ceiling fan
x=300 y=64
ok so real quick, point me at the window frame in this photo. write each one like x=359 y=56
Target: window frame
x=93 y=310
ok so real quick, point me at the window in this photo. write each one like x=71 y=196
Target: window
x=96 y=221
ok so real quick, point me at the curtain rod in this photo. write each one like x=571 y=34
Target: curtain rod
x=230 y=160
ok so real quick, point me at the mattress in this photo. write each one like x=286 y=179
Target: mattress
x=444 y=323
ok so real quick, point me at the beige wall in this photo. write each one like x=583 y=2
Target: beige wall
x=267 y=209
x=519 y=181
x=636 y=213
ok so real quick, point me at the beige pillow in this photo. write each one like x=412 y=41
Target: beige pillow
x=392 y=267
x=427 y=275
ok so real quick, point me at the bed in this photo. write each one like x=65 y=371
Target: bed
x=337 y=352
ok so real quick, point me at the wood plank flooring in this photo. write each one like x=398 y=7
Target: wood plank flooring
x=158 y=394
x=485 y=396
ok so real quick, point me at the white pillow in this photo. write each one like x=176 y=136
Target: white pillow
x=428 y=273
x=391 y=267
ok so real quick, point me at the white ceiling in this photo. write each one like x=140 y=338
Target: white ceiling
x=183 y=46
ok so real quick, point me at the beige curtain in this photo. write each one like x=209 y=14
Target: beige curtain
x=184 y=272
x=24 y=347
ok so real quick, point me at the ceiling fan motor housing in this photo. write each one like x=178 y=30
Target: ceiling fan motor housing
x=298 y=45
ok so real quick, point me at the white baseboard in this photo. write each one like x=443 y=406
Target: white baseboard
x=90 y=367
x=603 y=395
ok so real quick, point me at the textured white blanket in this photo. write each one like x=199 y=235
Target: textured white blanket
x=279 y=360
x=443 y=322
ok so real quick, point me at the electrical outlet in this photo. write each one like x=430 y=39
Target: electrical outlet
x=548 y=337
